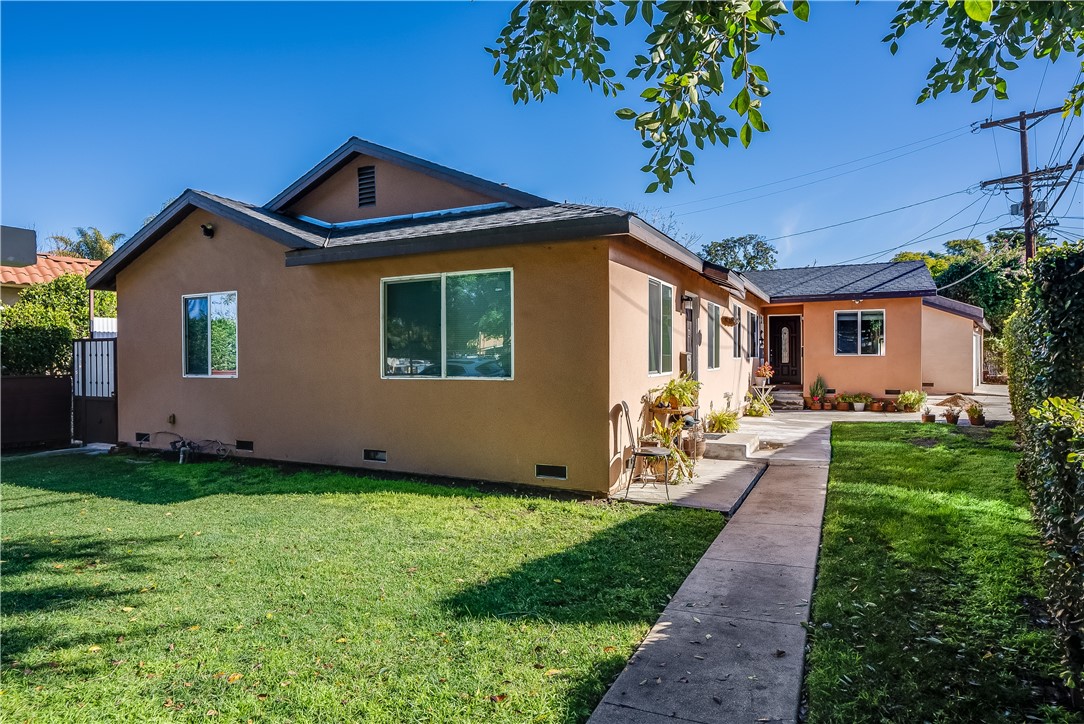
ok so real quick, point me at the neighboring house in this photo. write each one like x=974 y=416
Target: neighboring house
x=876 y=328
x=14 y=279
x=387 y=312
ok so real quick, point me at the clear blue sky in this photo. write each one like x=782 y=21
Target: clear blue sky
x=110 y=110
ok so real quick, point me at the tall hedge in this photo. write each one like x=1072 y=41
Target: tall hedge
x=1045 y=364
x=35 y=340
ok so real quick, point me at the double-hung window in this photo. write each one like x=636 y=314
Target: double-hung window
x=448 y=325
x=210 y=335
x=736 y=330
x=660 y=327
x=860 y=333
x=714 y=322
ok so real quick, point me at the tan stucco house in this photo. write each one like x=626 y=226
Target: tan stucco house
x=386 y=312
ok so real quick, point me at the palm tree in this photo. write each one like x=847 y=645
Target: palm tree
x=89 y=243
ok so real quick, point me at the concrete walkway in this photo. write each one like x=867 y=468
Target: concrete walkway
x=730 y=645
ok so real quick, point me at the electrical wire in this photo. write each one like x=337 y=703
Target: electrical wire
x=964 y=278
x=835 y=166
x=918 y=238
x=872 y=216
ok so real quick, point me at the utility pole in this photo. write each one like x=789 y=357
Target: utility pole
x=1027 y=207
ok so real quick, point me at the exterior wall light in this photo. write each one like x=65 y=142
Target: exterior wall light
x=208 y=230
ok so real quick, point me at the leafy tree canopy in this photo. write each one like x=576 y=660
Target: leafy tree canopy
x=989 y=275
x=89 y=243
x=741 y=253
x=696 y=63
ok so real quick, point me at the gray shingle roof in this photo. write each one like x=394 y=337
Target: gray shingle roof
x=457 y=223
x=304 y=231
x=890 y=279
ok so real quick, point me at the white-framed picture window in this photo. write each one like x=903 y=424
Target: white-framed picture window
x=715 y=313
x=449 y=325
x=209 y=334
x=660 y=327
x=860 y=332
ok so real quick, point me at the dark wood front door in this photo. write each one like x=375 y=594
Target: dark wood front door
x=785 y=349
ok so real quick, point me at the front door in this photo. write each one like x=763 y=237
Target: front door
x=785 y=349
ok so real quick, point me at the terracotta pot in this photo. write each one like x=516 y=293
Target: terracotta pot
x=843 y=406
x=978 y=421
x=890 y=407
x=952 y=417
x=877 y=407
x=808 y=403
x=929 y=418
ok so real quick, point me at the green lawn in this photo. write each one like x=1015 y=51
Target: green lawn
x=929 y=580
x=141 y=590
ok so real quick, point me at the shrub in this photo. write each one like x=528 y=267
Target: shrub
x=911 y=400
x=1045 y=364
x=35 y=340
x=69 y=293
x=721 y=421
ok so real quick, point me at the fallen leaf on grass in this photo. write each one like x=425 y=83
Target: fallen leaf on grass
x=126 y=609
x=59 y=565
x=94 y=649
x=233 y=678
x=194 y=628
x=552 y=672
x=341 y=641
x=261 y=697
x=608 y=649
x=498 y=698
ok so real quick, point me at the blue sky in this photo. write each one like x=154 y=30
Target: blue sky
x=110 y=110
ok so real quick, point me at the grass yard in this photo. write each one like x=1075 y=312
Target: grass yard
x=930 y=582
x=141 y=590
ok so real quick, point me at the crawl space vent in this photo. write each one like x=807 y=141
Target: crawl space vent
x=556 y=472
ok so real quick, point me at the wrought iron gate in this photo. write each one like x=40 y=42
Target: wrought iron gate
x=94 y=390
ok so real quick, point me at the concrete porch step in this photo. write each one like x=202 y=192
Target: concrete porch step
x=730 y=446
x=788 y=400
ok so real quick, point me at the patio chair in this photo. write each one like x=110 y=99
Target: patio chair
x=648 y=453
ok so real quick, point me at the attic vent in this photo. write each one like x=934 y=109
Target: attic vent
x=366 y=185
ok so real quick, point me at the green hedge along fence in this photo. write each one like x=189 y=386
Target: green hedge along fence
x=1044 y=360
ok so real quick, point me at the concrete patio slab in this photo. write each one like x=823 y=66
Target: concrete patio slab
x=710 y=669
x=719 y=485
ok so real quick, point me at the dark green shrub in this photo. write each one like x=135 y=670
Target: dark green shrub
x=69 y=293
x=35 y=340
x=1045 y=365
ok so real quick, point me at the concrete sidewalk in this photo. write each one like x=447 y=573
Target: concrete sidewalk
x=730 y=645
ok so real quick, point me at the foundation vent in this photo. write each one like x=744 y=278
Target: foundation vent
x=366 y=186
x=892 y=392
x=374 y=456
x=553 y=472
x=143 y=437
x=244 y=446
x=927 y=384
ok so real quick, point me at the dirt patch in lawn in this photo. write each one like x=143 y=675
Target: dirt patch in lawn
x=924 y=441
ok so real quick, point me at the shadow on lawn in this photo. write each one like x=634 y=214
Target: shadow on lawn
x=40 y=576
x=148 y=478
x=624 y=574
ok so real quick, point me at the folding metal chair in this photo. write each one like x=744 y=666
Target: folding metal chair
x=648 y=453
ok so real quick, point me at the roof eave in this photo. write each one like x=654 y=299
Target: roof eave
x=357 y=147
x=105 y=276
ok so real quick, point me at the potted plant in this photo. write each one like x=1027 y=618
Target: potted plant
x=952 y=415
x=860 y=400
x=817 y=392
x=843 y=402
x=680 y=392
x=721 y=421
x=911 y=400
x=669 y=436
x=763 y=374
x=928 y=416
x=877 y=406
x=756 y=407
x=890 y=406
x=976 y=415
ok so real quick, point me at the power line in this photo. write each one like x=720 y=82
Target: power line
x=918 y=238
x=939 y=235
x=871 y=216
x=835 y=166
x=968 y=275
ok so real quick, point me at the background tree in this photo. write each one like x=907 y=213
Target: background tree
x=89 y=243
x=667 y=222
x=68 y=293
x=741 y=253
x=989 y=275
x=692 y=48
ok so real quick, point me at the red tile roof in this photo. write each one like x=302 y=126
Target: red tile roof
x=48 y=267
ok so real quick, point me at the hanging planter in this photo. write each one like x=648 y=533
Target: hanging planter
x=727 y=321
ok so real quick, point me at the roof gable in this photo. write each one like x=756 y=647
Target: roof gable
x=846 y=281
x=355 y=147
